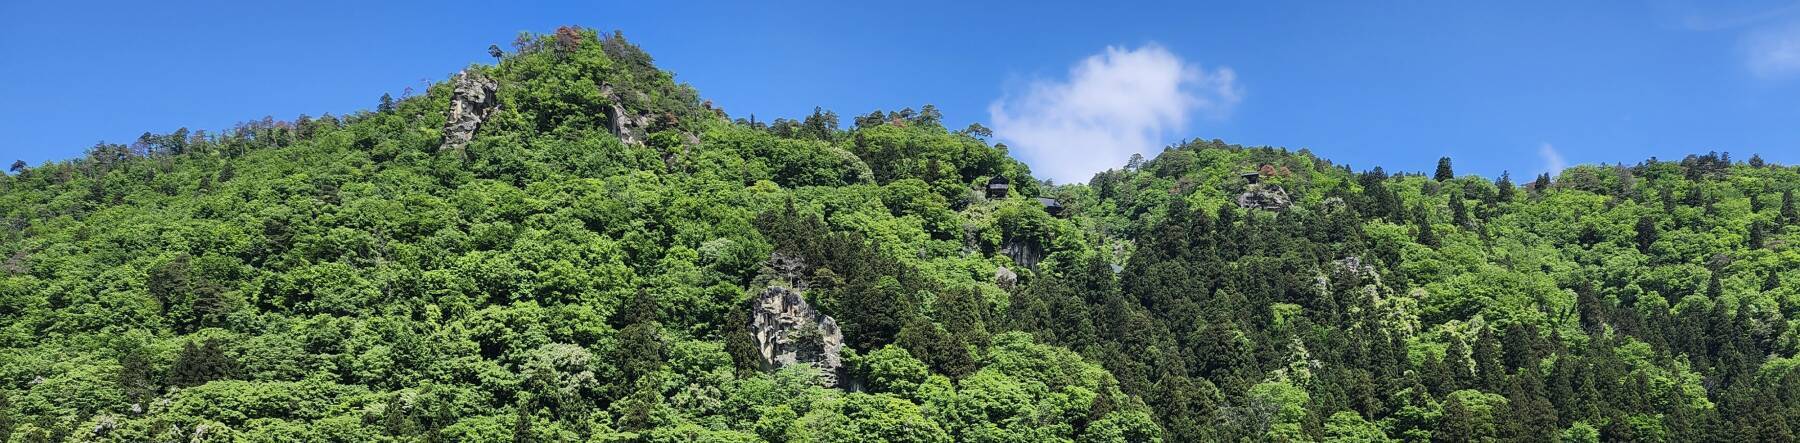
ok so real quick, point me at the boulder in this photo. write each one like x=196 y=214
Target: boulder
x=1006 y=278
x=471 y=103
x=788 y=331
x=1264 y=196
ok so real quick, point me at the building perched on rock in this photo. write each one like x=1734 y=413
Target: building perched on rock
x=998 y=186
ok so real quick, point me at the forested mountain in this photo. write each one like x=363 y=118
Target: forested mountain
x=569 y=245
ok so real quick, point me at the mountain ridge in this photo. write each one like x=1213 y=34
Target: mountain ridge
x=572 y=254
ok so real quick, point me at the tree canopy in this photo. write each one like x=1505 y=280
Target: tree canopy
x=341 y=278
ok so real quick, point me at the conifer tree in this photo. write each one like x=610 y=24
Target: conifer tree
x=1646 y=234
x=201 y=363
x=6 y=416
x=1443 y=170
x=1459 y=212
x=1457 y=424
x=1789 y=214
x=1506 y=188
x=521 y=431
x=1426 y=236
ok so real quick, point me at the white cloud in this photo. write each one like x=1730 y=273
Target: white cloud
x=1553 y=160
x=1774 y=52
x=1113 y=104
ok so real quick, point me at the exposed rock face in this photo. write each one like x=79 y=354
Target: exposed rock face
x=629 y=126
x=1006 y=278
x=1263 y=196
x=1024 y=252
x=1353 y=265
x=472 y=102
x=789 y=331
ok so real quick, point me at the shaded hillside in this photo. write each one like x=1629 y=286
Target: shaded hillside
x=569 y=245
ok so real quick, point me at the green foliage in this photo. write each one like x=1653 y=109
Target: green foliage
x=582 y=270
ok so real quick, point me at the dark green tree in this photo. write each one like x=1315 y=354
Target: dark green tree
x=1789 y=215
x=1459 y=211
x=1754 y=240
x=386 y=104
x=1646 y=234
x=6 y=417
x=1505 y=187
x=1426 y=235
x=521 y=431
x=1458 y=424
x=201 y=363
x=943 y=352
x=1443 y=170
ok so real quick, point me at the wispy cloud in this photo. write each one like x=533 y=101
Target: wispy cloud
x=1113 y=104
x=1774 y=52
x=1553 y=159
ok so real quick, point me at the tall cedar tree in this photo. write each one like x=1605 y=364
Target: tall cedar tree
x=1459 y=211
x=1789 y=214
x=1443 y=170
x=1646 y=234
x=1426 y=236
x=201 y=363
x=1505 y=186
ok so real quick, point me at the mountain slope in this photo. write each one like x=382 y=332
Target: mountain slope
x=569 y=245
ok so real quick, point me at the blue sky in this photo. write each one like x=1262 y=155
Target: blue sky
x=1072 y=88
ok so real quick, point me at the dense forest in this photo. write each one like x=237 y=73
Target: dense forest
x=569 y=245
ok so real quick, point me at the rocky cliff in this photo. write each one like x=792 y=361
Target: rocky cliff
x=789 y=331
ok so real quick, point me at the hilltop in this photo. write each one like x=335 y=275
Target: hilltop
x=569 y=245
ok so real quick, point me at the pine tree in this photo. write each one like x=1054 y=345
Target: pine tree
x=1542 y=184
x=386 y=104
x=1443 y=170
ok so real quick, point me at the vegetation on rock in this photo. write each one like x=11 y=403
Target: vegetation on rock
x=582 y=267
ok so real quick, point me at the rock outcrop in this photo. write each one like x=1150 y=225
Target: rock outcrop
x=789 y=331
x=1005 y=278
x=1264 y=196
x=630 y=127
x=1024 y=252
x=471 y=103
